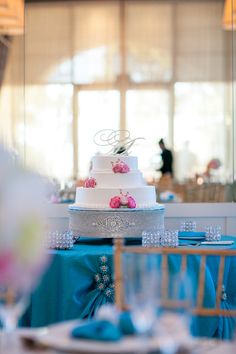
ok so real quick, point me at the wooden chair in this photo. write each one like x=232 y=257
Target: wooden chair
x=199 y=308
x=205 y=193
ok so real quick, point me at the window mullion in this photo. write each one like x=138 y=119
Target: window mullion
x=123 y=77
x=75 y=132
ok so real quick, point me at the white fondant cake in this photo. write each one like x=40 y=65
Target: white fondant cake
x=115 y=182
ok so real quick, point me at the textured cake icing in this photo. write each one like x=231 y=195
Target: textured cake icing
x=115 y=182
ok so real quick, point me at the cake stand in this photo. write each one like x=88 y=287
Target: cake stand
x=114 y=223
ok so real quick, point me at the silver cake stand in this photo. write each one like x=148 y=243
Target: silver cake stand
x=114 y=223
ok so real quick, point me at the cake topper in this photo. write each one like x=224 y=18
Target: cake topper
x=119 y=141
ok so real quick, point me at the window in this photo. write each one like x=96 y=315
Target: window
x=200 y=110
x=147 y=108
x=101 y=110
x=48 y=134
x=159 y=69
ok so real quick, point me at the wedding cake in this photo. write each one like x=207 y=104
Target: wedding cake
x=115 y=200
x=115 y=182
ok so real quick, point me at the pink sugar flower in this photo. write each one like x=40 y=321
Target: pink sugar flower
x=116 y=168
x=115 y=202
x=123 y=199
x=124 y=168
x=90 y=182
x=131 y=202
x=120 y=167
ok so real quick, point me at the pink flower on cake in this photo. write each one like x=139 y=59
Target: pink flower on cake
x=124 y=200
x=90 y=182
x=124 y=168
x=115 y=202
x=131 y=203
x=120 y=167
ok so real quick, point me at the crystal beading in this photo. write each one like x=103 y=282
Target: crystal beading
x=60 y=240
x=114 y=223
x=103 y=279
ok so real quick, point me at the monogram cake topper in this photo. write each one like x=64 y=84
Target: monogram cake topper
x=119 y=141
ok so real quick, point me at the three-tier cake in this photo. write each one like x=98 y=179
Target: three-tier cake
x=115 y=201
x=115 y=182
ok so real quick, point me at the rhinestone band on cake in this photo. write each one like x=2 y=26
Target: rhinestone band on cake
x=114 y=223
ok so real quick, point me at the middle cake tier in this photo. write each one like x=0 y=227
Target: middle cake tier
x=115 y=180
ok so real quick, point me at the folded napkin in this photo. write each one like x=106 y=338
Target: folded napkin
x=191 y=234
x=126 y=324
x=104 y=330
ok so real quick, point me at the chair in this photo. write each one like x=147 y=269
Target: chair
x=199 y=309
x=207 y=192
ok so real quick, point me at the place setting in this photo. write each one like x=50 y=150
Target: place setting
x=147 y=325
x=186 y=236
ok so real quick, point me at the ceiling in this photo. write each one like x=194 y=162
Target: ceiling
x=11 y=17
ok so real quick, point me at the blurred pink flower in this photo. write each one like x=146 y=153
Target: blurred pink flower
x=90 y=182
x=7 y=262
x=214 y=164
x=131 y=203
x=115 y=202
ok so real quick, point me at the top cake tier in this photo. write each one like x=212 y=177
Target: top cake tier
x=102 y=163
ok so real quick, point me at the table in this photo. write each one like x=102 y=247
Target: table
x=205 y=346
x=71 y=287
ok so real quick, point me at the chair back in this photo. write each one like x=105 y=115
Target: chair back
x=184 y=252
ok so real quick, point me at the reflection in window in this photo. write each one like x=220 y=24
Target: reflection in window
x=147 y=117
x=97 y=110
x=169 y=61
x=200 y=109
x=48 y=135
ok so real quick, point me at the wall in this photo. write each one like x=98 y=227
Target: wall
x=223 y=214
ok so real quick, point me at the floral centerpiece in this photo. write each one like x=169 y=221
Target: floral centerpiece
x=22 y=236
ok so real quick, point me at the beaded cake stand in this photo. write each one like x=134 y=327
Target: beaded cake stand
x=114 y=223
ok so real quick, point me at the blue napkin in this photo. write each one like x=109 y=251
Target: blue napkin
x=191 y=234
x=104 y=330
x=126 y=324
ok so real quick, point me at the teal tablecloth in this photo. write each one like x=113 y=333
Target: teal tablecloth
x=73 y=287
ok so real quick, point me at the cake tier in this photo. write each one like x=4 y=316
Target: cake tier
x=105 y=162
x=99 y=198
x=118 y=180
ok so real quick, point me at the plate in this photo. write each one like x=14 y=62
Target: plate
x=58 y=338
x=191 y=235
x=194 y=238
